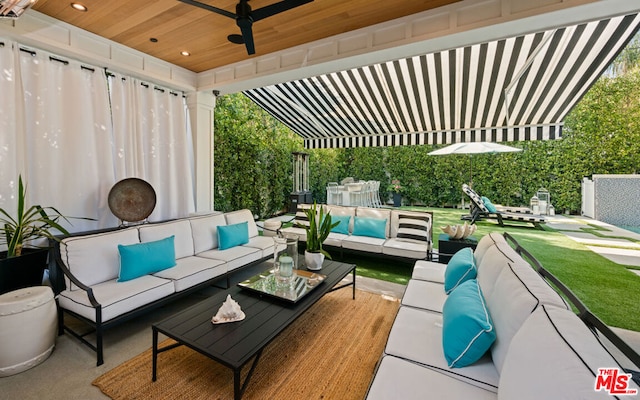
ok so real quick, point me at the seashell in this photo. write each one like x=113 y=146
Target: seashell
x=230 y=311
x=459 y=231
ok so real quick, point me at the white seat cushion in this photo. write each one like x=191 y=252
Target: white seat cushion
x=335 y=239
x=117 y=298
x=424 y=294
x=416 y=335
x=264 y=243
x=402 y=379
x=403 y=248
x=299 y=232
x=429 y=271
x=235 y=257
x=190 y=271
x=363 y=243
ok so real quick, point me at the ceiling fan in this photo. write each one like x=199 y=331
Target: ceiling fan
x=245 y=17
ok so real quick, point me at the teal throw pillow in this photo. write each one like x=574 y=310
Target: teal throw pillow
x=146 y=258
x=489 y=205
x=343 y=226
x=233 y=235
x=371 y=227
x=467 y=328
x=461 y=267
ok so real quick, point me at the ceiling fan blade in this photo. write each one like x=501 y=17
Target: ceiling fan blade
x=276 y=8
x=210 y=8
x=247 y=33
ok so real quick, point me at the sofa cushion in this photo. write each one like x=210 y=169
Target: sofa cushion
x=234 y=257
x=116 y=298
x=146 y=258
x=370 y=227
x=407 y=249
x=343 y=224
x=487 y=203
x=460 y=268
x=495 y=259
x=233 y=235
x=264 y=243
x=363 y=243
x=467 y=328
x=518 y=290
x=205 y=231
x=378 y=213
x=556 y=346
x=94 y=258
x=424 y=294
x=192 y=270
x=341 y=211
x=416 y=335
x=236 y=217
x=335 y=239
x=181 y=229
x=401 y=379
x=411 y=226
x=485 y=243
x=429 y=271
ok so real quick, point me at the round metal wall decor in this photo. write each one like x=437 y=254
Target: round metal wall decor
x=132 y=199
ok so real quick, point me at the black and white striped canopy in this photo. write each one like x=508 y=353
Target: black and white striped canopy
x=513 y=89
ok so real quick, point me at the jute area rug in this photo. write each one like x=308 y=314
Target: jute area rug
x=330 y=352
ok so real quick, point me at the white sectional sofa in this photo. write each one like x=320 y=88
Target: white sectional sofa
x=404 y=234
x=100 y=292
x=542 y=349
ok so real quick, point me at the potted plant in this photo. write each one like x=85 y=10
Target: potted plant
x=319 y=228
x=23 y=263
x=396 y=190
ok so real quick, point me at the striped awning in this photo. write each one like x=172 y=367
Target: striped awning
x=513 y=89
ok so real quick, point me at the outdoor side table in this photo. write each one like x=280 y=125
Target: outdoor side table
x=447 y=247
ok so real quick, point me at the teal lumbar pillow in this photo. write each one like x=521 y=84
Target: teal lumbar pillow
x=233 y=235
x=461 y=267
x=467 y=328
x=371 y=227
x=343 y=226
x=146 y=258
x=489 y=205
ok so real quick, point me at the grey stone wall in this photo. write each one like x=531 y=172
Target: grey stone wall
x=617 y=199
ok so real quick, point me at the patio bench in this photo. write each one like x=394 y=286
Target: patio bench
x=399 y=234
x=105 y=278
x=505 y=333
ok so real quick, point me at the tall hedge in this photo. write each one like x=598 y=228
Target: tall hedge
x=253 y=163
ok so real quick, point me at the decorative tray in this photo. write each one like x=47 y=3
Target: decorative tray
x=267 y=284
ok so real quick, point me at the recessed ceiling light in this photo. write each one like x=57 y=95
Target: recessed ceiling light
x=185 y=53
x=79 y=7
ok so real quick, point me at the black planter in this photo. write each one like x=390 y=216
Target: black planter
x=24 y=271
x=397 y=199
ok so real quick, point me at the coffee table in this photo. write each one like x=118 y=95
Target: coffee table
x=235 y=344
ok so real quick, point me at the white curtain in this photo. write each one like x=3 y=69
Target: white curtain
x=153 y=143
x=57 y=130
x=9 y=128
x=67 y=137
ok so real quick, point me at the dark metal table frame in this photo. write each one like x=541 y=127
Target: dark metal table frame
x=235 y=344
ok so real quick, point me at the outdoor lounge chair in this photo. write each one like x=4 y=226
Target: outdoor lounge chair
x=481 y=208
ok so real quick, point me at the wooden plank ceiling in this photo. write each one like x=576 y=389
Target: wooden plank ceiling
x=180 y=27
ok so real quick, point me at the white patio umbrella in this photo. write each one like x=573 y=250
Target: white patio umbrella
x=473 y=148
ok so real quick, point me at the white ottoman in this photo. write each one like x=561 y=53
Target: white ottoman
x=28 y=324
x=271 y=226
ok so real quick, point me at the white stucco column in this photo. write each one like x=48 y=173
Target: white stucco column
x=201 y=110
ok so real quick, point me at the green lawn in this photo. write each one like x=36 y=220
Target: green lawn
x=608 y=289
